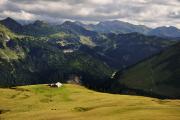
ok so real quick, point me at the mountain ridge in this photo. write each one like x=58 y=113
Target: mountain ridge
x=114 y=26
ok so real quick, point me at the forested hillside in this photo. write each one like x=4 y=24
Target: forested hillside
x=158 y=75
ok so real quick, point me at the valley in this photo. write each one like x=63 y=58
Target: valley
x=41 y=53
x=89 y=60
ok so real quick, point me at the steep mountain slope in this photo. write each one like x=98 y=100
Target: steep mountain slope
x=29 y=60
x=128 y=49
x=171 y=32
x=6 y=31
x=12 y=25
x=118 y=51
x=158 y=75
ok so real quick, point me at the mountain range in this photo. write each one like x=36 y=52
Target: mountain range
x=40 y=52
x=125 y=27
x=118 y=27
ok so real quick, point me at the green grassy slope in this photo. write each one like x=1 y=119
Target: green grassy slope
x=5 y=36
x=6 y=31
x=160 y=74
x=72 y=102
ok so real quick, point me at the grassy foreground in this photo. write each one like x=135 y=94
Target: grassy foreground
x=72 y=102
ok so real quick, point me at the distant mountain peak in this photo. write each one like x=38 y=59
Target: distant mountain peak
x=113 y=22
x=10 y=20
x=40 y=23
x=116 y=26
x=79 y=23
x=166 y=27
x=71 y=24
x=11 y=24
x=68 y=23
x=166 y=31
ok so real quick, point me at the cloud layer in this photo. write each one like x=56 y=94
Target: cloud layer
x=149 y=12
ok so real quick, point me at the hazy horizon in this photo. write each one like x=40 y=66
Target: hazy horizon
x=25 y=22
x=152 y=13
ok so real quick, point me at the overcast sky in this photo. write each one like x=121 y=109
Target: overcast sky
x=152 y=13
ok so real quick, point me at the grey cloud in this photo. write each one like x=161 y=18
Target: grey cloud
x=150 y=12
x=175 y=14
